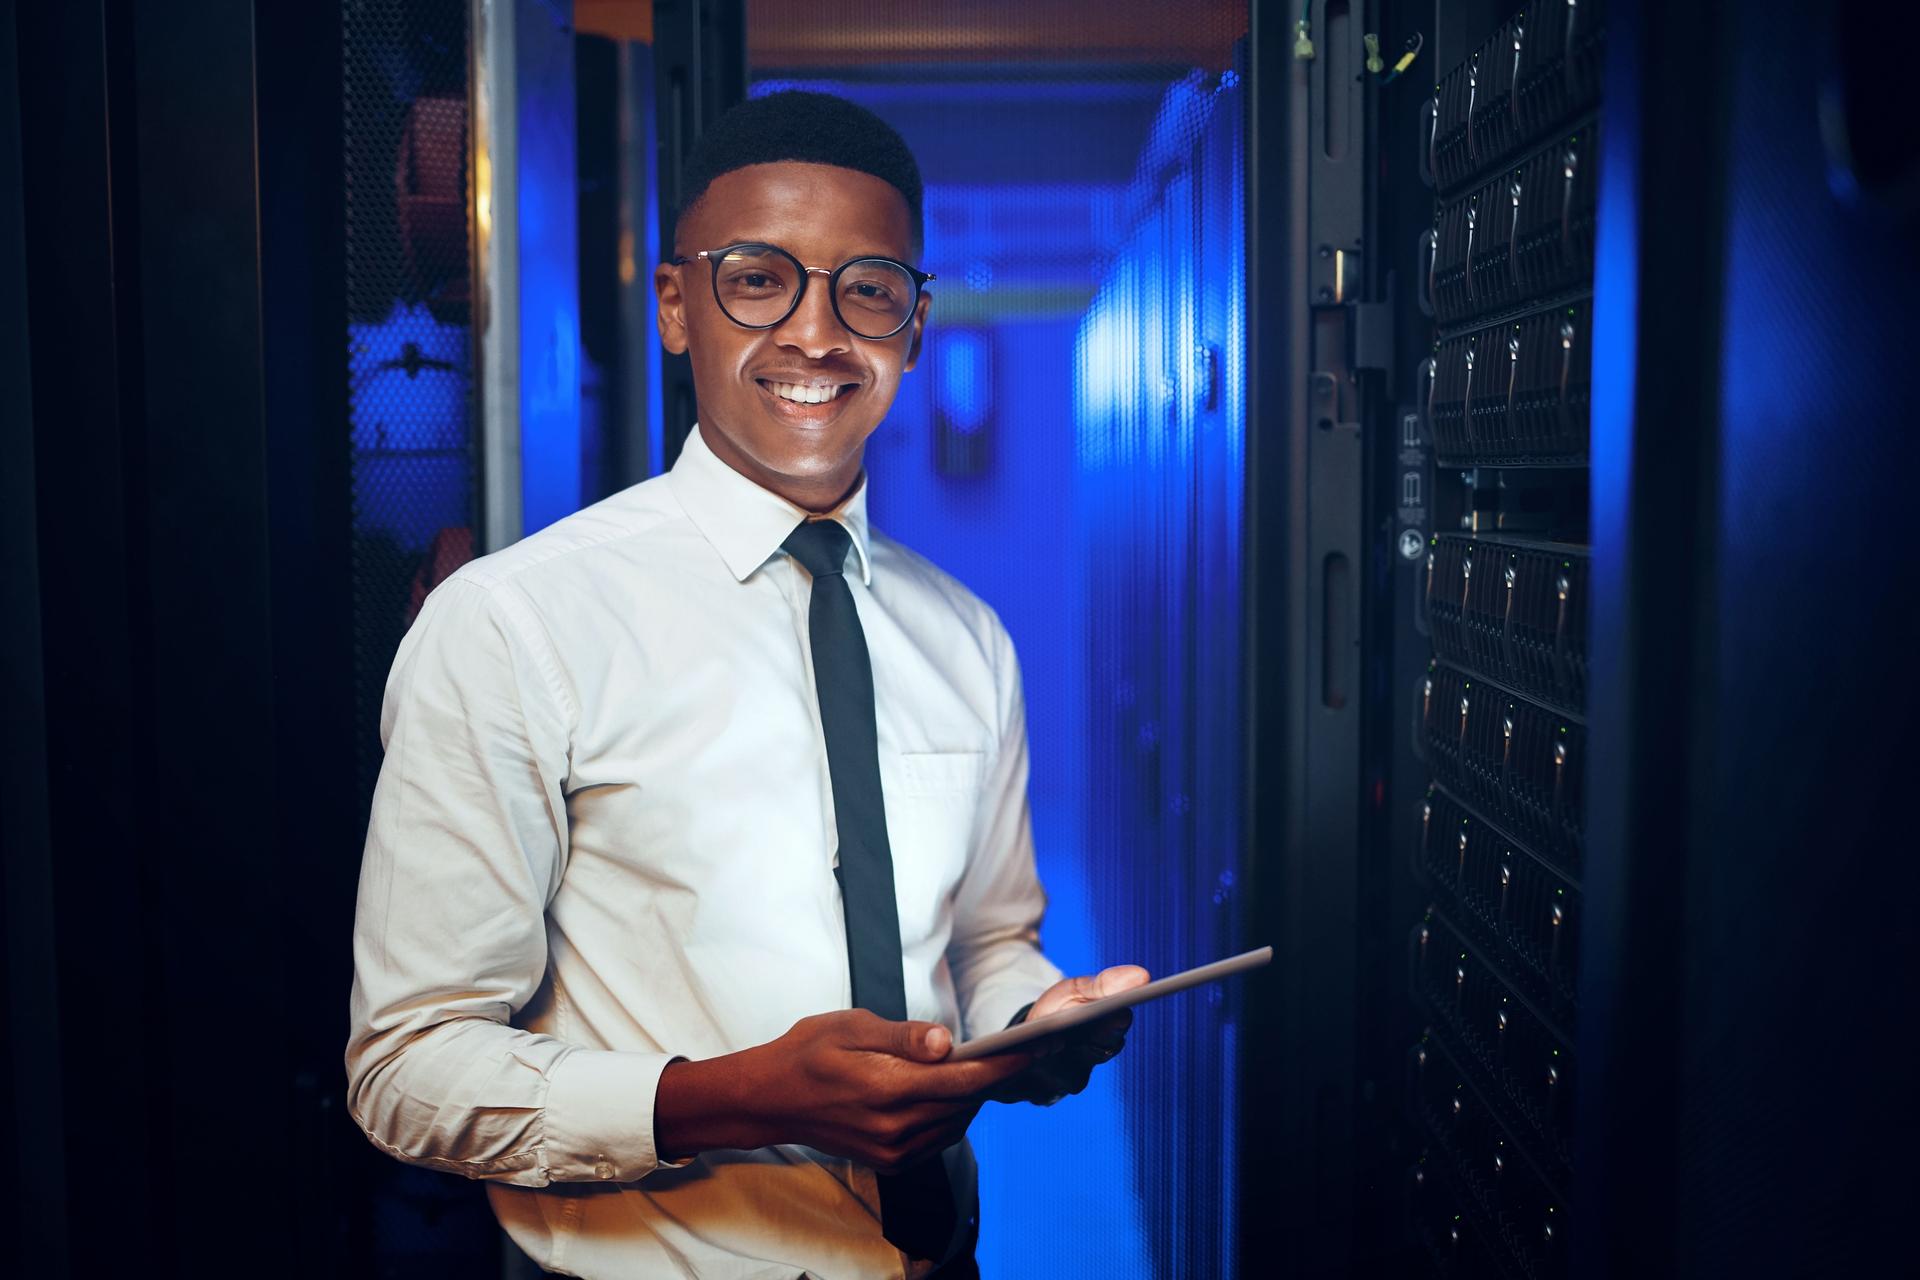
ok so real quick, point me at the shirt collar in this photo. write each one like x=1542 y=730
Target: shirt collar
x=745 y=523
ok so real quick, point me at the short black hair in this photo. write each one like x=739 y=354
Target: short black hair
x=813 y=128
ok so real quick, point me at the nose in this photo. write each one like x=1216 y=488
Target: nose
x=813 y=329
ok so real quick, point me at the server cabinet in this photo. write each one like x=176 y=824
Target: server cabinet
x=1422 y=228
x=1495 y=836
x=1660 y=685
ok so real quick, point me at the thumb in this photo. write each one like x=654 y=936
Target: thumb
x=1121 y=977
x=922 y=1041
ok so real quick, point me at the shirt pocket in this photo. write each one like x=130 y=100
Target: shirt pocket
x=931 y=774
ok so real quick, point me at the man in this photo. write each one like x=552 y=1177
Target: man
x=702 y=831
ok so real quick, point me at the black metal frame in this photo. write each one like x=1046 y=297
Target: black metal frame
x=1313 y=401
x=700 y=69
x=713 y=258
x=34 y=1219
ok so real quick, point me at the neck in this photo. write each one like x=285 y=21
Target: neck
x=815 y=494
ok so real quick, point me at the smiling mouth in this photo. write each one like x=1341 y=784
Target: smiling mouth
x=807 y=392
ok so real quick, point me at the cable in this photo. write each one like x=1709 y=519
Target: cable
x=1375 y=64
x=1414 y=46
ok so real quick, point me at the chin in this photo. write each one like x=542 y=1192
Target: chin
x=802 y=450
x=807 y=464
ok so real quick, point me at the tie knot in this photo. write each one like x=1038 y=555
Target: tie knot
x=820 y=545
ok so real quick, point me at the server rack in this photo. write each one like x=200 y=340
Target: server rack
x=1494 y=455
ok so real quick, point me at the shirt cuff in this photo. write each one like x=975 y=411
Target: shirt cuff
x=599 y=1116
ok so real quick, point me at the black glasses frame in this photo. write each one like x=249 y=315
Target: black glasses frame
x=715 y=256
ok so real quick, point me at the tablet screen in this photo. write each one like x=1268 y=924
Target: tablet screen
x=1075 y=1015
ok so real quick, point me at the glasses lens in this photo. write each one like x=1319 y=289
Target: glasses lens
x=756 y=284
x=876 y=297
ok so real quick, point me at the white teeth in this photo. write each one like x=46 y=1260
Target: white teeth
x=804 y=394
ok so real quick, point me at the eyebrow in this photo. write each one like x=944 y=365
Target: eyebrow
x=865 y=253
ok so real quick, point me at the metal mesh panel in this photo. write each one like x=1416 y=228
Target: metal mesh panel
x=411 y=425
x=1071 y=446
x=411 y=432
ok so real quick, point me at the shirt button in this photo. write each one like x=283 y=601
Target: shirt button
x=603 y=1170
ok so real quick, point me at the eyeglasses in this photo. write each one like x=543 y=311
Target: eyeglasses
x=759 y=285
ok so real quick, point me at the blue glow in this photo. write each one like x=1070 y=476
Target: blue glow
x=966 y=388
x=649 y=129
x=552 y=483
x=1105 y=297
x=1616 y=299
x=408 y=399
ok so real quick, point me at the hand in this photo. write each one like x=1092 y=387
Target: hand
x=850 y=1084
x=1064 y=1063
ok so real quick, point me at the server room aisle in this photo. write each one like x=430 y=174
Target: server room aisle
x=1449 y=469
x=1070 y=447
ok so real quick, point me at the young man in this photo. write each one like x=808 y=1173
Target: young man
x=702 y=831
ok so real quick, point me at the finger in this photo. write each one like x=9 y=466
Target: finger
x=1120 y=977
x=932 y=1042
x=1085 y=989
x=1066 y=1074
x=1108 y=1031
x=1058 y=996
x=945 y=1135
x=1099 y=1048
x=966 y=1079
x=927 y=1147
x=952 y=1135
x=938 y=1117
x=916 y=1041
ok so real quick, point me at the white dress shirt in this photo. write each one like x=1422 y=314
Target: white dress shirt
x=603 y=837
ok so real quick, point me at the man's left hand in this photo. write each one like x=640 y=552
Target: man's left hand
x=1066 y=1061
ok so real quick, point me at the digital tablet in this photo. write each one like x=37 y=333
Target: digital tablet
x=1074 y=1015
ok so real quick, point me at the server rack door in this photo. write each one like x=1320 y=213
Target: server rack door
x=1314 y=295
x=1754 y=401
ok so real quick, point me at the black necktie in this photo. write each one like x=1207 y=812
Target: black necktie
x=916 y=1205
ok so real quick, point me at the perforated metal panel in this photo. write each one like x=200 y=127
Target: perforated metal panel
x=410 y=432
x=410 y=399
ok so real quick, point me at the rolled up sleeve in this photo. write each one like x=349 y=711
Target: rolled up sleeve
x=466 y=846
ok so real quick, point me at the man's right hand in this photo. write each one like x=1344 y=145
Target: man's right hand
x=850 y=1084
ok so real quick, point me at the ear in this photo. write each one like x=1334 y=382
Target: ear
x=918 y=328
x=671 y=313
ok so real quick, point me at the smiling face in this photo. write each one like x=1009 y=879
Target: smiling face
x=790 y=407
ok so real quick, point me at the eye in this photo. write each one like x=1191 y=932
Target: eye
x=753 y=280
x=868 y=290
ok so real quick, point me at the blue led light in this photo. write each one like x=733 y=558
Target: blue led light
x=966 y=390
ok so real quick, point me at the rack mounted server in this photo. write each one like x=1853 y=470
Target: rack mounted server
x=1498 y=837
